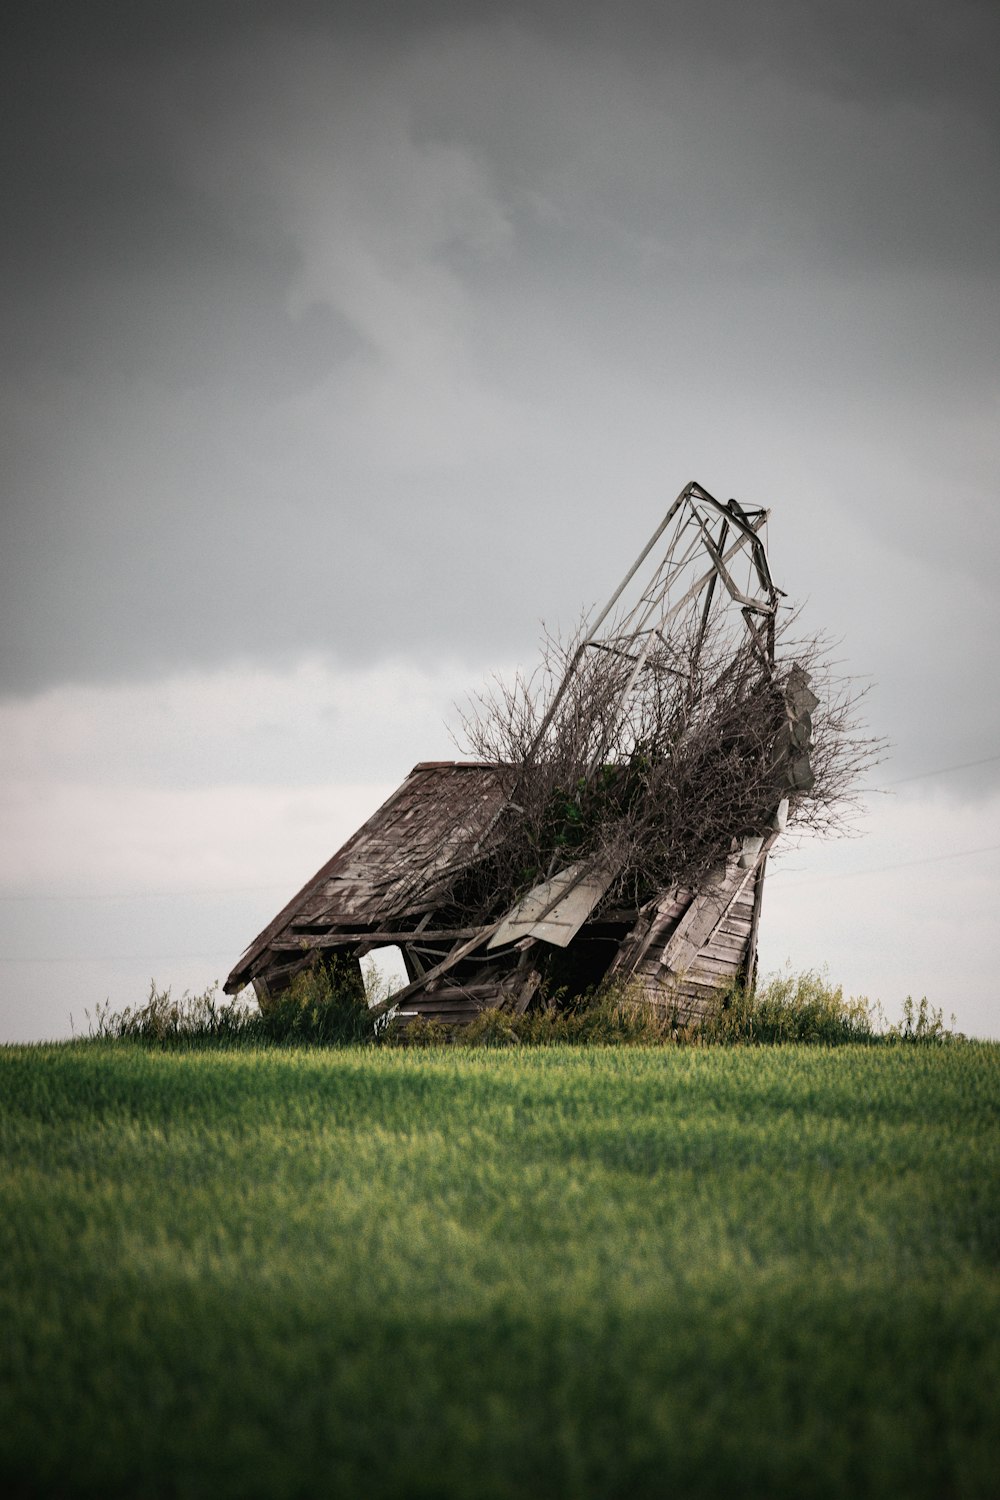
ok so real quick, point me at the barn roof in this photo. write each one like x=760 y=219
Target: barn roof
x=393 y=866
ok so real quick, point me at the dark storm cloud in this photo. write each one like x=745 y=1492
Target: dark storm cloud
x=342 y=327
x=915 y=48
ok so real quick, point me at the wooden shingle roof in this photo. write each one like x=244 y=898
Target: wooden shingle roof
x=391 y=868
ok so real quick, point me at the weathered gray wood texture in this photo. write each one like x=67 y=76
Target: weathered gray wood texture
x=384 y=885
x=386 y=877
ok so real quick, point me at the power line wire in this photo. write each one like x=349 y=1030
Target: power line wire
x=965 y=765
x=909 y=864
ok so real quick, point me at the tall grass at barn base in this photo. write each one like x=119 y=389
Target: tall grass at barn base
x=328 y=1005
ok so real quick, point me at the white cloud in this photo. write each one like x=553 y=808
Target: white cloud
x=314 y=723
x=68 y=838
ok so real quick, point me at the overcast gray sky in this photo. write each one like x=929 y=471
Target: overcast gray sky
x=343 y=343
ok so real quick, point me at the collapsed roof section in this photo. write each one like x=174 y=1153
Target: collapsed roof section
x=633 y=707
x=384 y=885
x=389 y=886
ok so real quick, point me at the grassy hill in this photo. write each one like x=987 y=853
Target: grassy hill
x=568 y=1271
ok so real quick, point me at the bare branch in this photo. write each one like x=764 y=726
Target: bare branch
x=685 y=768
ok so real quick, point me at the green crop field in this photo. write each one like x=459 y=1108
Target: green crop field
x=566 y=1271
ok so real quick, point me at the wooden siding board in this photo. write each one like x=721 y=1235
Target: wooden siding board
x=724 y=952
x=713 y=968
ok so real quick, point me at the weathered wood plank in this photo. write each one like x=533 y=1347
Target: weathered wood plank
x=389 y=935
x=426 y=1009
x=750 y=966
x=656 y=921
x=707 y=911
x=714 y=968
x=735 y=927
x=743 y=908
x=725 y=953
x=700 y=921
x=455 y=956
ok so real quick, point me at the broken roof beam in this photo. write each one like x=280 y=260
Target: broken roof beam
x=463 y=950
x=389 y=935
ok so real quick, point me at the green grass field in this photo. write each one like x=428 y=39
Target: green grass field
x=575 y=1272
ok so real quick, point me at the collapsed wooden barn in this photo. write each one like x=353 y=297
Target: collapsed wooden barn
x=412 y=876
x=389 y=886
